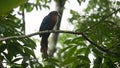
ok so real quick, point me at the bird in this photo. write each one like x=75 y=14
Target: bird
x=48 y=23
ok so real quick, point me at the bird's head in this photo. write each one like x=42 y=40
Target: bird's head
x=54 y=13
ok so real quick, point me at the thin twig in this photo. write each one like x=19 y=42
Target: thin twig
x=23 y=19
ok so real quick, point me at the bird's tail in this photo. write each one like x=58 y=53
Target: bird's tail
x=44 y=47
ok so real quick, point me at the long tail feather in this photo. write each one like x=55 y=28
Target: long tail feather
x=44 y=47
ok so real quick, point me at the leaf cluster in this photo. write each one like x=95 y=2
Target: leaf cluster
x=18 y=53
x=100 y=24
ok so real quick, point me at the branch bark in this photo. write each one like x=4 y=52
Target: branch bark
x=37 y=33
x=104 y=49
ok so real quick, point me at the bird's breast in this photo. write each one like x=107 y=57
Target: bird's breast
x=54 y=19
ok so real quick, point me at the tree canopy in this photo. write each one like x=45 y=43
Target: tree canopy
x=96 y=33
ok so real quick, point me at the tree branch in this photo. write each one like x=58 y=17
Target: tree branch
x=37 y=33
x=104 y=49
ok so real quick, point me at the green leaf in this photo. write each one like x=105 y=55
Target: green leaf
x=3 y=47
x=78 y=41
x=29 y=7
x=15 y=66
x=118 y=2
x=98 y=62
x=7 y=5
x=84 y=58
x=68 y=61
x=29 y=43
x=29 y=52
x=38 y=65
x=79 y=1
x=14 y=49
x=32 y=64
x=81 y=51
x=53 y=61
x=64 y=49
x=70 y=52
x=8 y=57
x=46 y=6
x=16 y=60
x=2 y=57
x=24 y=62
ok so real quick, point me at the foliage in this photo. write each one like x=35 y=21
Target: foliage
x=100 y=23
x=7 y=5
x=17 y=53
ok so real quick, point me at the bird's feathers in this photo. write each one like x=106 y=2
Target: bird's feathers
x=47 y=24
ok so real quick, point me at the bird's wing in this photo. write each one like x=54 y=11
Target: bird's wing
x=45 y=23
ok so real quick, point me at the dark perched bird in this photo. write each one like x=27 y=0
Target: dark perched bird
x=47 y=24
